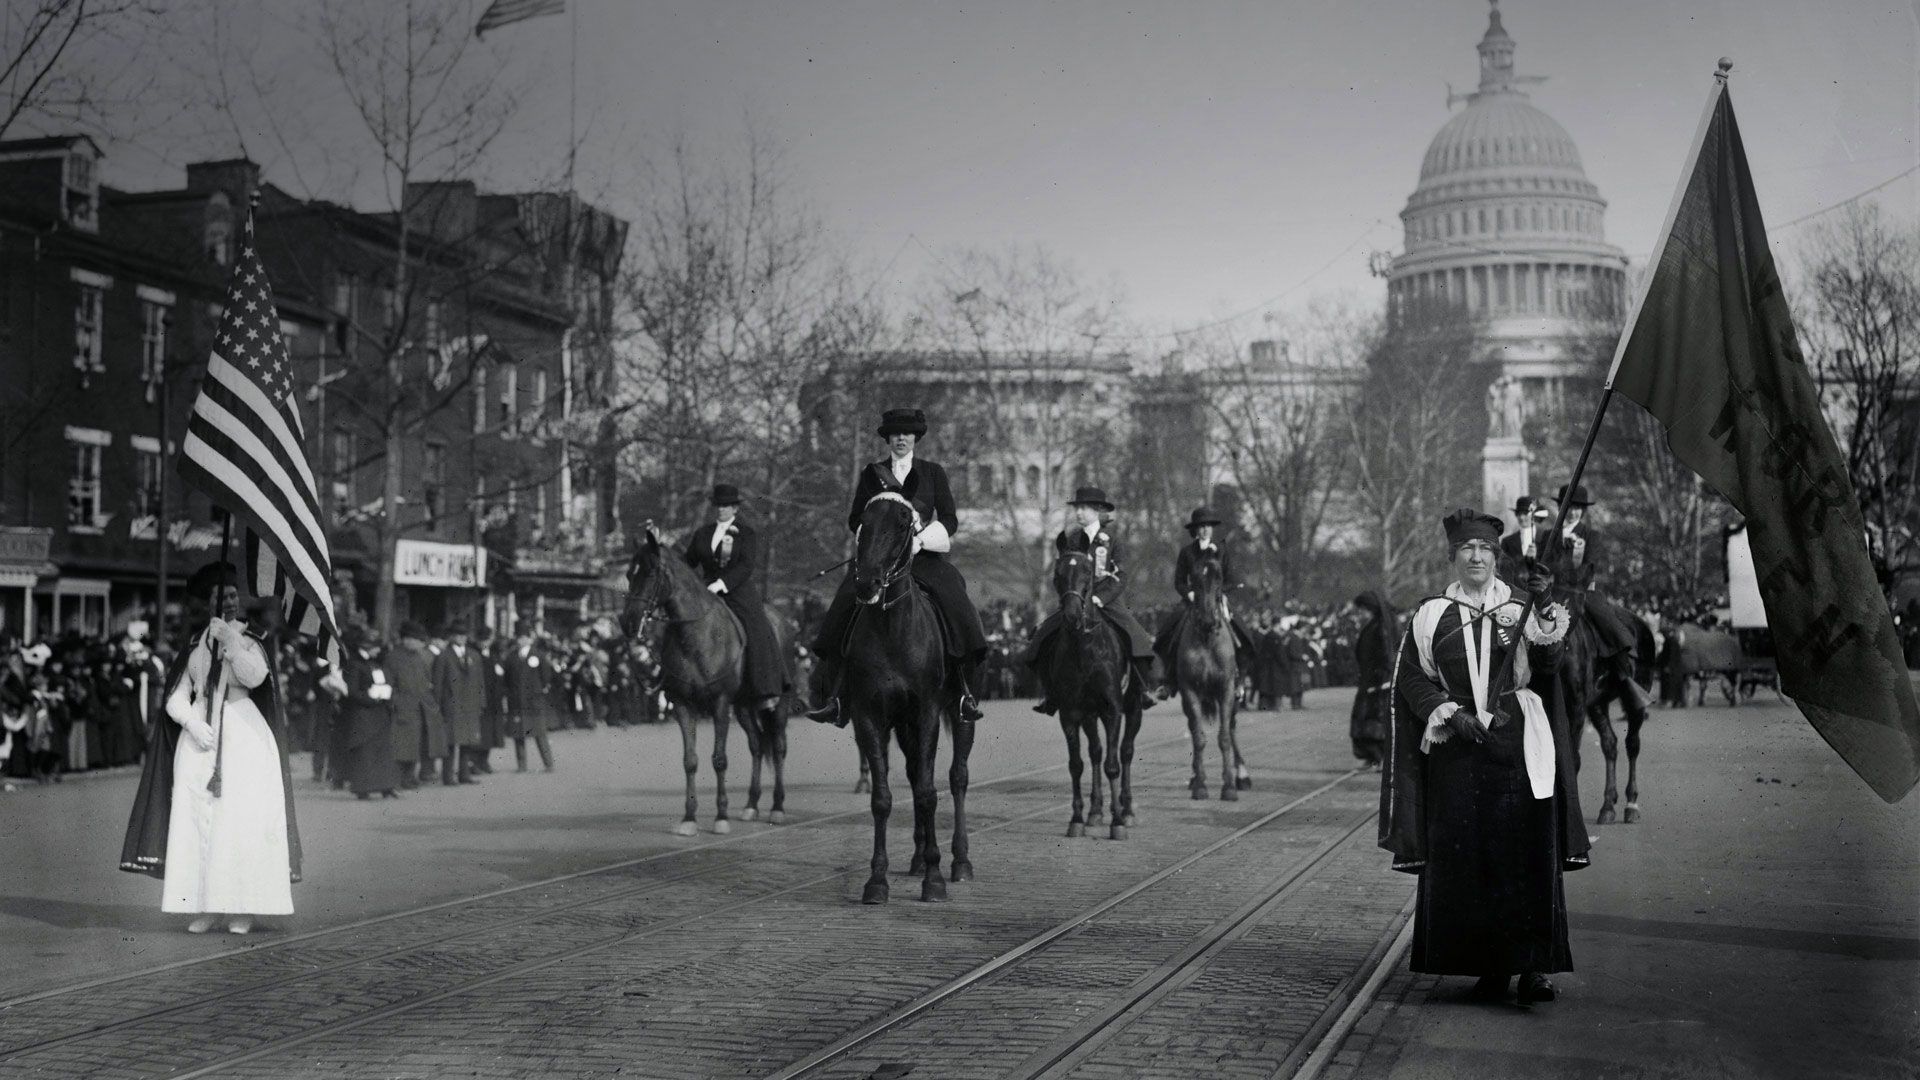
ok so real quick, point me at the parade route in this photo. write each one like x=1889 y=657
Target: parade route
x=550 y=925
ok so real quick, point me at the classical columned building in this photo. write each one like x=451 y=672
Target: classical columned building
x=1505 y=226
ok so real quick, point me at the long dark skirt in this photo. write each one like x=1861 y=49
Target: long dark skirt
x=766 y=674
x=371 y=768
x=1367 y=726
x=1491 y=900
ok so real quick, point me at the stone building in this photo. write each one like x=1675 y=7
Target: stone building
x=1505 y=225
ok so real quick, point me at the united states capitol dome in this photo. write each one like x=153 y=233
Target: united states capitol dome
x=1503 y=221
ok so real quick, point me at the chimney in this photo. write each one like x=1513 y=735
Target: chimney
x=238 y=177
x=1264 y=353
x=444 y=209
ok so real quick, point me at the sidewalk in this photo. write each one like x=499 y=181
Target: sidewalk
x=1762 y=920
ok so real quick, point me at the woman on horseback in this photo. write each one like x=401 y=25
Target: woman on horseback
x=1090 y=533
x=727 y=553
x=1478 y=794
x=1201 y=525
x=924 y=484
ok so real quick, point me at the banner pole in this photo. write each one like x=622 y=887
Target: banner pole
x=216 y=700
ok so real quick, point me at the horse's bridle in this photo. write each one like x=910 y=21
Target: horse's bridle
x=898 y=570
x=1085 y=594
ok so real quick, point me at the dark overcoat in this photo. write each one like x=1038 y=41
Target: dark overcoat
x=371 y=765
x=460 y=683
x=416 y=705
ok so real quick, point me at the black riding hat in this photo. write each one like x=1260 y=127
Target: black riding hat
x=726 y=495
x=903 y=422
x=1524 y=504
x=1091 y=496
x=210 y=577
x=1579 y=496
x=1463 y=525
x=1202 y=516
x=412 y=629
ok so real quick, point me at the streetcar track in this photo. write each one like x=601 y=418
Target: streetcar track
x=524 y=967
x=897 y=1018
x=427 y=909
x=536 y=915
x=1311 y=1055
x=1068 y=1052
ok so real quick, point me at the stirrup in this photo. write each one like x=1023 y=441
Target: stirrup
x=828 y=713
x=1045 y=707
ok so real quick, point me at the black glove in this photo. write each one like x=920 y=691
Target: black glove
x=1467 y=725
x=1538 y=577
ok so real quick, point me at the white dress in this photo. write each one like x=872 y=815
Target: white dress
x=227 y=855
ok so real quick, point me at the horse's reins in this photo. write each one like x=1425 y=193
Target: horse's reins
x=1086 y=595
x=899 y=569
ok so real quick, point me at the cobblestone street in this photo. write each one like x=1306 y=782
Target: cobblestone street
x=553 y=928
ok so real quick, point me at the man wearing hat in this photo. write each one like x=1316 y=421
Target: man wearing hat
x=923 y=483
x=1573 y=554
x=728 y=555
x=1090 y=534
x=1200 y=525
x=419 y=731
x=460 y=685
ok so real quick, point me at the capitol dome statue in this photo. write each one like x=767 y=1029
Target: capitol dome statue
x=1505 y=225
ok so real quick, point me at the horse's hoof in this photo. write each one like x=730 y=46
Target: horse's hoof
x=749 y=814
x=1228 y=794
x=722 y=826
x=861 y=788
x=1632 y=813
x=1606 y=816
x=1117 y=832
x=933 y=891
x=917 y=867
x=960 y=871
x=1199 y=793
x=686 y=828
x=776 y=817
x=874 y=893
x=1243 y=783
x=1129 y=820
x=1076 y=828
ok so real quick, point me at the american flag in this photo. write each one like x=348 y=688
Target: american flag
x=507 y=12
x=244 y=449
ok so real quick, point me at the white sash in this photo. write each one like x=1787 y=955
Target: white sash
x=1536 y=734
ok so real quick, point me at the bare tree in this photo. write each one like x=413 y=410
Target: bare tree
x=738 y=303
x=1021 y=345
x=1415 y=430
x=63 y=62
x=1861 y=314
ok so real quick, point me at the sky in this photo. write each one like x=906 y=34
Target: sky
x=1216 y=160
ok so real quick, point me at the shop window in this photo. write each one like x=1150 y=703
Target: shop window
x=150 y=463
x=434 y=483
x=89 y=302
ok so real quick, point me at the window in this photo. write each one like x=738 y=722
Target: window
x=962 y=486
x=539 y=393
x=1500 y=220
x=149 y=462
x=434 y=482
x=1033 y=482
x=88 y=302
x=985 y=473
x=343 y=461
x=82 y=191
x=433 y=324
x=1053 y=479
x=88 y=446
x=346 y=308
x=540 y=507
x=509 y=396
x=218 y=241
x=155 y=313
x=479 y=396
x=389 y=307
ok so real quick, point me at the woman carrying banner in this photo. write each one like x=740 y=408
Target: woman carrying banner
x=229 y=846
x=1479 y=796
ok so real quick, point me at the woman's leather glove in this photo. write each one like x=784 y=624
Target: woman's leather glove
x=1538 y=577
x=1467 y=725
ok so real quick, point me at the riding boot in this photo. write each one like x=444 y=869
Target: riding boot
x=1636 y=697
x=823 y=690
x=969 y=706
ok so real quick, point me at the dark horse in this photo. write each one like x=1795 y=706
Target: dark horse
x=702 y=669
x=894 y=686
x=1087 y=678
x=1590 y=688
x=1205 y=669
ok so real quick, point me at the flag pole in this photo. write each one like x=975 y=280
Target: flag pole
x=1552 y=547
x=217 y=698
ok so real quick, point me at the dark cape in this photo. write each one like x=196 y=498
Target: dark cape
x=1463 y=816
x=1373 y=653
x=144 y=851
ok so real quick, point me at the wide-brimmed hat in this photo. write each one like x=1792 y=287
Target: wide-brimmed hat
x=1463 y=525
x=903 y=422
x=726 y=495
x=412 y=629
x=1091 y=496
x=1202 y=516
x=452 y=627
x=1579 y=496
x=1525 y=504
